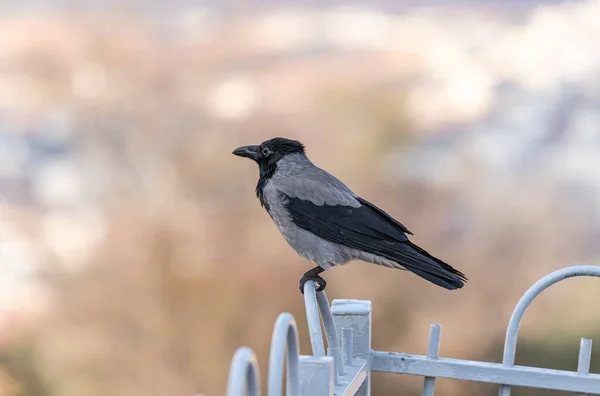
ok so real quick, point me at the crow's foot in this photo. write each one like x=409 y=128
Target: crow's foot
x=313 y=275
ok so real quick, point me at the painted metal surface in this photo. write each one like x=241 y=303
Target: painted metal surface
x=493 y=373
x=285 y=337
x=312 y=315
x=432 y=353
x=354 y=381
x=356 y=315
x=585 y=357
x=316 y=375
x=243 y=374
x=512 y=333
x=348 y=365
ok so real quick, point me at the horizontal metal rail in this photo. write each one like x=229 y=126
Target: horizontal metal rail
x=493 y=373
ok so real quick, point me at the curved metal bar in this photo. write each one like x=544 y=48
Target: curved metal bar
x=243 y=374
x=333 y=340
x=512 y=332
x=517 y=315
x=312 y=317
x=330 y=330
x=285 y=336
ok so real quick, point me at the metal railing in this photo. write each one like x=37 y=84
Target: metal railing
x=345 y=367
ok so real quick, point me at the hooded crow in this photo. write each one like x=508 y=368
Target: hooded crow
x=328 y=224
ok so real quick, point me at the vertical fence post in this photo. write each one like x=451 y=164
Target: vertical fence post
x=347 y=340
x=432 y=353
x=356 y=314
x=585 y=356
x=316 y=376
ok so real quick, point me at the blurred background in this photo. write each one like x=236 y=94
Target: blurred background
x=134 y=255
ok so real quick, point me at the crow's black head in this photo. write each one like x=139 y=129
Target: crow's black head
x=270 y=151
x=266 y=155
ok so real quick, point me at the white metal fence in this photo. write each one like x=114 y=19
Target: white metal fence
x=345 y=367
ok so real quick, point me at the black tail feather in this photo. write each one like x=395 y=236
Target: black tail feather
x=423 y=264
x=435 y=279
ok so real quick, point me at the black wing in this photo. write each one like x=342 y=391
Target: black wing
x=370 y=229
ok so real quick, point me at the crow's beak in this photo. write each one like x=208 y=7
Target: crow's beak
x=252 y=152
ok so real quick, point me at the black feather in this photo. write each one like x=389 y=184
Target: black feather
x=282 y=146
x=371 y=230
x=383 y=214
x=265 y=174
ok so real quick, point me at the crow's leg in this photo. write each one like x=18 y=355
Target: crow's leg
x=313 y=275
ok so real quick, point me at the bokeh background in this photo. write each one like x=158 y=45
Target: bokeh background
x=134 y=256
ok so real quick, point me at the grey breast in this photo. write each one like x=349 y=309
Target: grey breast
x=297 y=177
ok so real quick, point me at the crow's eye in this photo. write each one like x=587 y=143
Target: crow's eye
x=266 y=152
